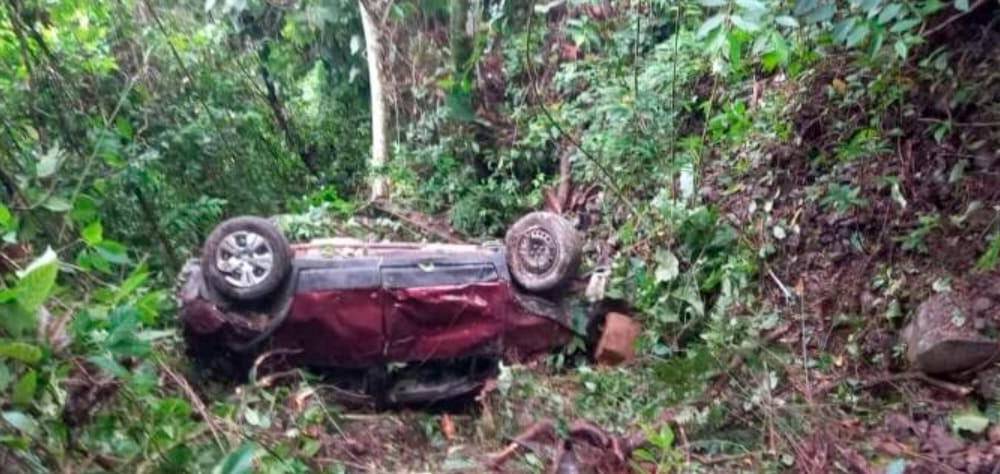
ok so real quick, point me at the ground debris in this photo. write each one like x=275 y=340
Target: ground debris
x=586 y=448
x=87 y=389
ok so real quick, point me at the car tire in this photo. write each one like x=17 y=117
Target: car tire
x=543 y=251
x=246 y=258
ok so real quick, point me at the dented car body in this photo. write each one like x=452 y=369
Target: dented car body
x=360 y=307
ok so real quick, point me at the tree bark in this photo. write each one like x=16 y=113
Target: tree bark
x=295 y=142
x=376 y=81
x=459 y=37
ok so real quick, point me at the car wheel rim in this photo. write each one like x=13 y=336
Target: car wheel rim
x=537 y=250
x=244 y=258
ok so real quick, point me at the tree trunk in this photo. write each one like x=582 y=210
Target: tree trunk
x=295 y=142
x=459 y=37
x=376 y=81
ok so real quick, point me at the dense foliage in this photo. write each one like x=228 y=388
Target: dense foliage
x=702 y=145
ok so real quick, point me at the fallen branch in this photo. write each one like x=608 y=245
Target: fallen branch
x=259 y=361
x=738 y=360
x=720 y=459
x=270 y=379
x=616 y=450
x=955 y=18
x=199 y=406
x=952 y=388
x=544 y=427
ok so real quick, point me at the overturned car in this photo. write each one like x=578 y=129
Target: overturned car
x=391 y=322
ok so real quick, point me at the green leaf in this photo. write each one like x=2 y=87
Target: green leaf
x=132 y=283
x=869 y=6
x=785 y=20
x=34 y=286
x=710 y=25
x=712 y=3
x=821 y=14
x=804 y=6
x=21 y=421
x=6 y=377
x=109 y=365
x=37 y=280
x=931 y=7
x=6 y=218
x=962 y=5
x=24 y=389
x=858 y=34
x=48 y=163
x=108 y=147
x=21 y=351
x=239 y=461
x=745 y=24
x=901 y=49
x=57 y=204
x=770 y=61
x=124 y=128
x=7 y=295
x=255 y=418
x=16 y=320
x=957 y=172
x=84 y=209
x=889 y=13
x=988 y=261
x=778 y=55
x=123 y=332
x=970 y=420
x=149 y=306
x=93 y=234
x=842 y=28
x=904 y=25
x=878 y=37
x=112 y=251
x=690 y=295
x=667 y=267
x=752 y=5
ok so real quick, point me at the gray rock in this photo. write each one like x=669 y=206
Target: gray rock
x=941 y=338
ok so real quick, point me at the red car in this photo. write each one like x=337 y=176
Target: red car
x=392 y=322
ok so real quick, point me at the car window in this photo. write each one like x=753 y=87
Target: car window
x=431 y=273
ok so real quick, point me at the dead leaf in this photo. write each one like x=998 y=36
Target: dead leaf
x=300 y=399
x=890 y=447
x=941 y=442
x=448 y=427
x=839 y=85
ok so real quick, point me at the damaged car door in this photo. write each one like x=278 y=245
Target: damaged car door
x=443 y=306
x=336 y=317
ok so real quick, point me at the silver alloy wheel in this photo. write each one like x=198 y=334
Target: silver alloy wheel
x=244 y=258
